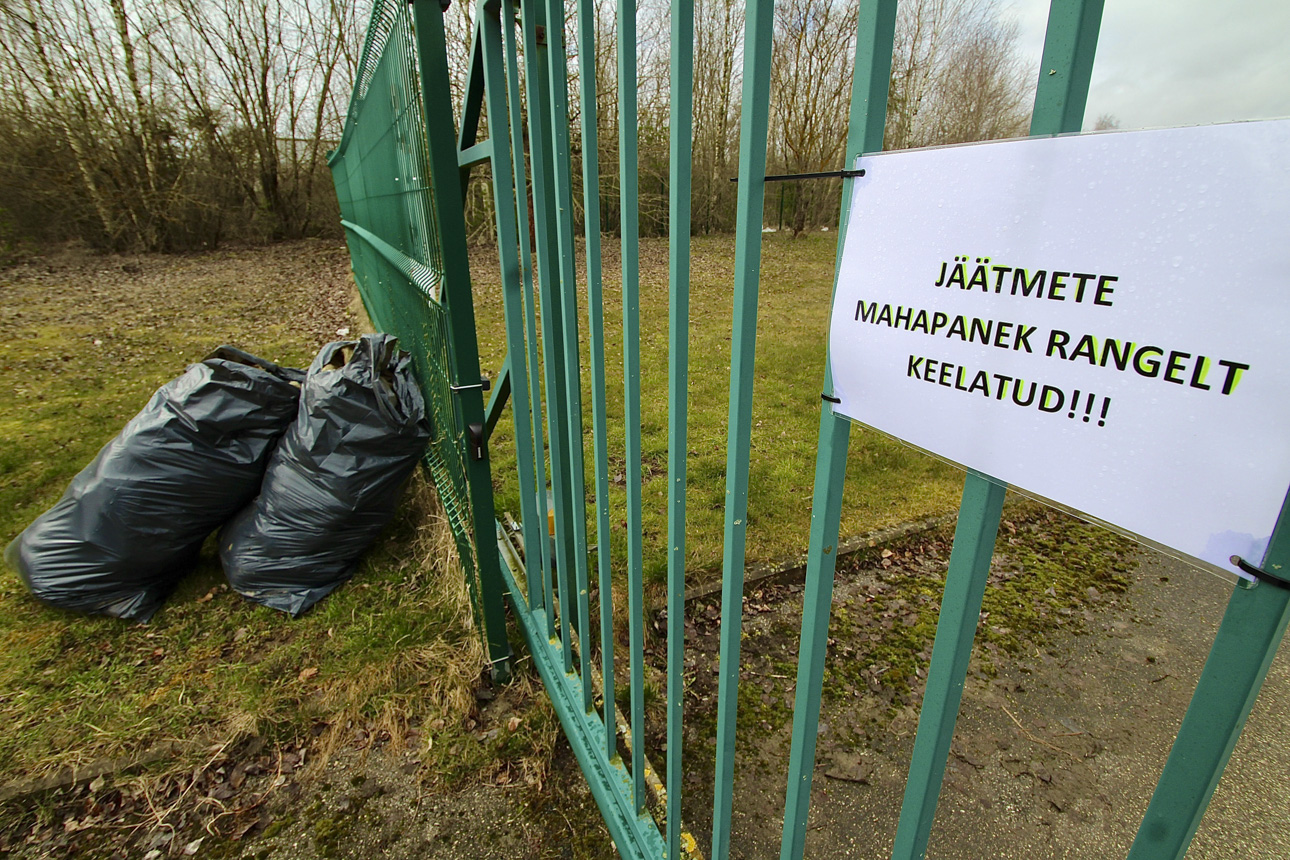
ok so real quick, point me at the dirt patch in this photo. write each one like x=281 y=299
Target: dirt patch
x=376 y=805
x=373 y=796
x=1056 y=752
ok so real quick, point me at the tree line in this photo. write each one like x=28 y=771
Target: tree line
x=187 y=123
x=175 y=125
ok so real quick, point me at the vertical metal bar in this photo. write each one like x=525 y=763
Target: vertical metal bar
x=1252 y=629
x=1062 y=91
x=758 y=34
x=541 y=157
x=538 y=569
x=629 y=226
x=494 y=77
x=681 y=147
x=596 y=334
x=1070 y=43
x=433 y=59
x=965 y=580
x=874 y=35
x=571 y=535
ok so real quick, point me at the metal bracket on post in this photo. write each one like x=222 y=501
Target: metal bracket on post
x=483 y=384
x=478 y=443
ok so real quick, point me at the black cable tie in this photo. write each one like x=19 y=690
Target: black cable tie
x=830 y=398
x=827 y=174
x=1259 y=573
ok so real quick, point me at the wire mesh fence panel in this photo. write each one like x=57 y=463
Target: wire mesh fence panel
x=384 y=182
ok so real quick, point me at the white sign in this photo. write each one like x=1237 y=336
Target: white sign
x=1102 y=320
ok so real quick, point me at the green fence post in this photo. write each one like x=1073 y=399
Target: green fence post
x=629 y=230
x=875 y=32
x=1066 y=66
x=758 y=36
x=433 y=67
x=596 y=336
x=680 y=154
x=536 y=62
x=493 y=76
x=538 y=574
x=965 y=581
x=570 y=491
x=572 y=538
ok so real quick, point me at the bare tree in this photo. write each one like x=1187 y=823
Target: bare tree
x=175 y=118
x=176 y=124
x=956 y=75
x=810 y=91
x=718 y=45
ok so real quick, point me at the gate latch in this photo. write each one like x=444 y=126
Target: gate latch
x=478 y=444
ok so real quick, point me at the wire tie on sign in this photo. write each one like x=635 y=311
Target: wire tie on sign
x=827 y=174
x=830 y=398
x=1259 y=573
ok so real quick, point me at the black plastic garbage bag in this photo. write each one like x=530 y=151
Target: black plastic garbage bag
x=333 y=481
x=132 y=522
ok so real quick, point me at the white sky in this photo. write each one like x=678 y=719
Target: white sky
x=1180 y=62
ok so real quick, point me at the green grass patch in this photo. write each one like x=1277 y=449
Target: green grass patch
x=88 y=339
x=887 y=482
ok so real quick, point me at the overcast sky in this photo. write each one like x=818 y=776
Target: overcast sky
x=1181 y=62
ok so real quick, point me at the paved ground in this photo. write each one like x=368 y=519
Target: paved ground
x=1057 y=756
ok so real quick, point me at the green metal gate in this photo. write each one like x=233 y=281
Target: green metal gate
x=399 y=173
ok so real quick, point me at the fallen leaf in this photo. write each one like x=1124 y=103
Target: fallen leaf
x=306 y=674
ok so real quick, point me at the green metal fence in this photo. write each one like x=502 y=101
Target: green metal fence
x=401 y=199
x=401 y=206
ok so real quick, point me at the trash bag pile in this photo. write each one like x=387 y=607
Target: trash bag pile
x=332 y=483
x=302 y=470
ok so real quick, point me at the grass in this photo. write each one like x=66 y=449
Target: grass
x=88 y=339
x=887 y=482
x=391 y=654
